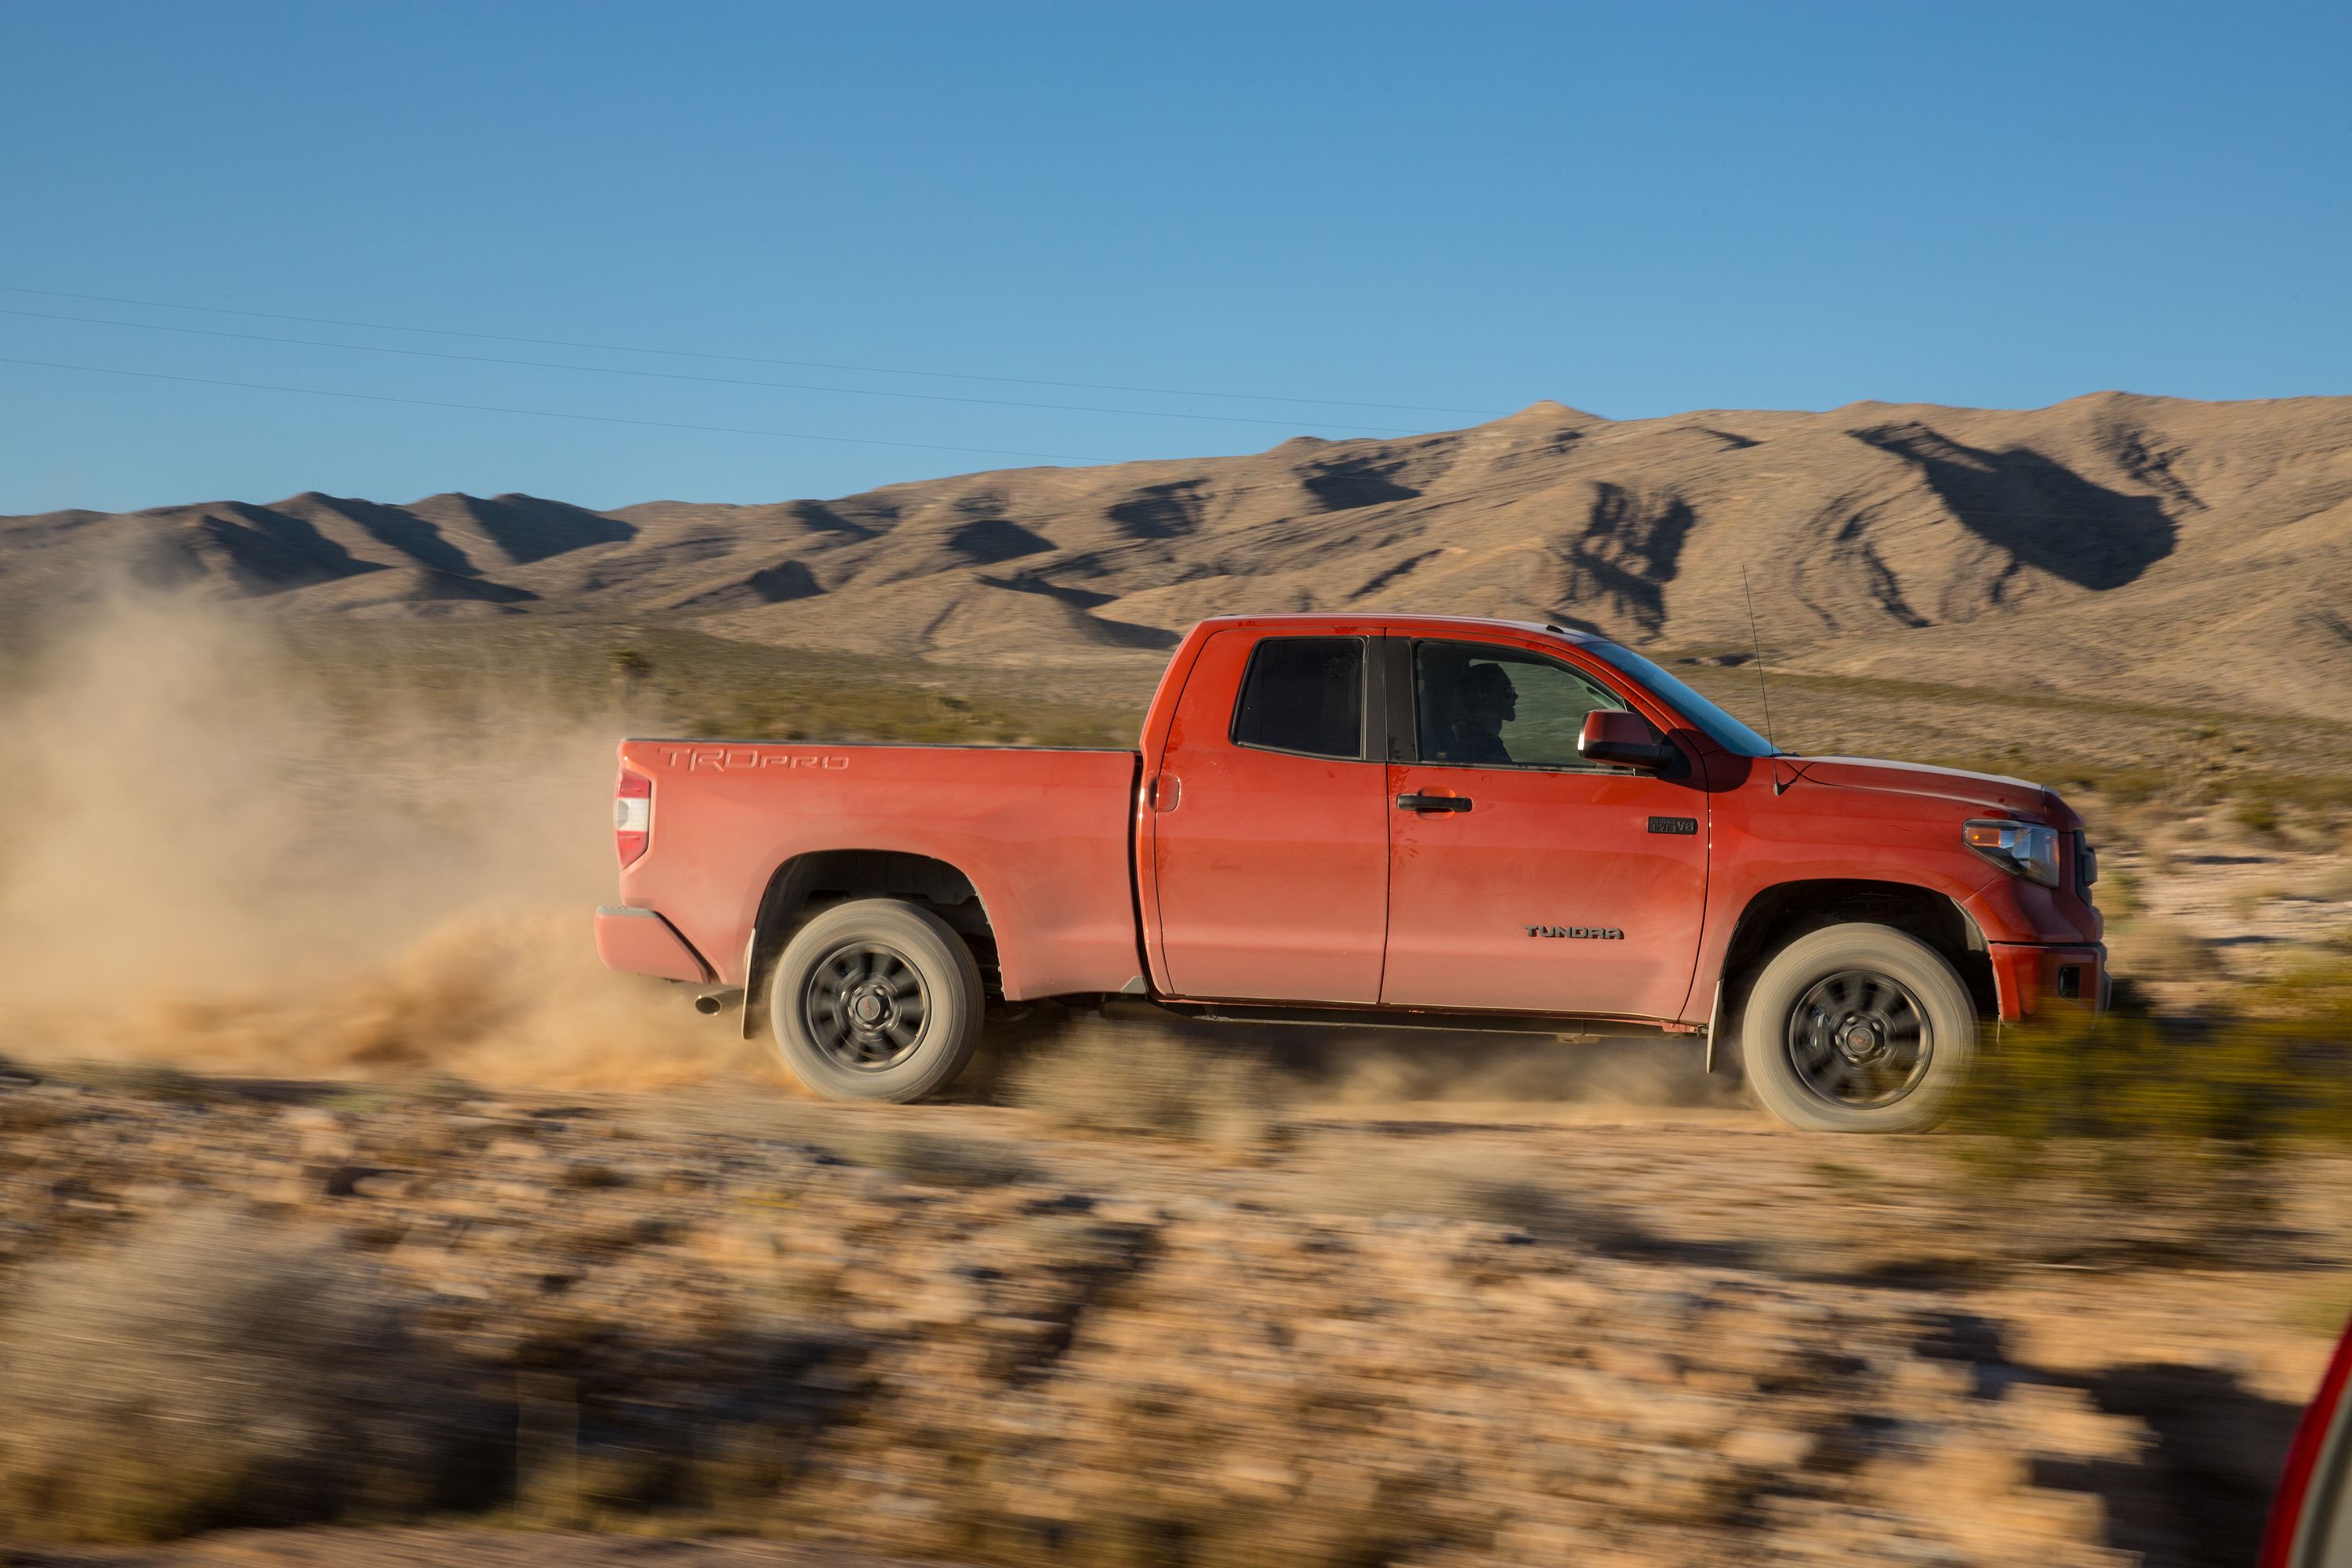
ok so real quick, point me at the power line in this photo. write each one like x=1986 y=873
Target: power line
x=752 y=359
x=552 y=413
x=681 y=375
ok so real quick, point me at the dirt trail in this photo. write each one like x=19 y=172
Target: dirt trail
x=1424 y=1333
x=450 y=1549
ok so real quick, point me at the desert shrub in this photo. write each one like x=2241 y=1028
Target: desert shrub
x=1143 y=1079
x=2119 y=896
x=2256 y=815
x=939 y=1160
x=616 y=1428
x=2175 y=953
x=204 y=1370
x=2129 y=786
x=137 y=1079
x=2191 y=1117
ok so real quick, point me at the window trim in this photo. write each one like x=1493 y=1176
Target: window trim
x=1371 y=692
x=1404 y=711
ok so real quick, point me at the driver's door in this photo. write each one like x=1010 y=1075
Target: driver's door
x=1521 y=877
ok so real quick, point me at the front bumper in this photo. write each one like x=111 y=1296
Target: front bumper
x=642 y=942
x=2028 y=979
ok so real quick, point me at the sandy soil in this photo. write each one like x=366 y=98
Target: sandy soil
x=1646 y=1334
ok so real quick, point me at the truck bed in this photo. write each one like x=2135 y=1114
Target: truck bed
x=1042 y=833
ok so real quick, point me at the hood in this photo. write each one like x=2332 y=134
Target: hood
x=1989 y=790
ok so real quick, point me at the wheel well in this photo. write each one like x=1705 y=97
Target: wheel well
x=806 y=884
x=1779 y=915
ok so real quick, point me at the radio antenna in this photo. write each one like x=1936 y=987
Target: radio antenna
x=1763 y=691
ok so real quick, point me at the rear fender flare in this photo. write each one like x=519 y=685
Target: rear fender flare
x=777 y=915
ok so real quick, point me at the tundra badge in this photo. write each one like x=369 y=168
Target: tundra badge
x=1594 y=933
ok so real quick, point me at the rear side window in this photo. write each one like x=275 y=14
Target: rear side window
x=1304 y=694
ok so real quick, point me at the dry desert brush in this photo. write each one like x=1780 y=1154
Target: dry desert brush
x=2184 y=1118
x=1151 y=1081
x=204 y=1370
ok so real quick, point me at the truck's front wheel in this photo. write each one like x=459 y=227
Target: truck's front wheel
x=1858 y=1029
x=876 y=999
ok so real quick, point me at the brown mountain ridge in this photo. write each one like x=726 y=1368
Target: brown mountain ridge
x=2154 y=548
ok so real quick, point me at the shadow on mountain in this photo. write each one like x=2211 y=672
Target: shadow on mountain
x=817 y=515
x=524 y=528
x=1026 y=582
x=986 y=541
x=777 y=584
x=257 y=549
x=1161 y=511
x=2041 y=511
x=400 y=530
x=1126 y=634
x=1342 y=486
x=1629 y=552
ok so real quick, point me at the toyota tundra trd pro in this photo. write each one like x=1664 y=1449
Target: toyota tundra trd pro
x=1348 y=819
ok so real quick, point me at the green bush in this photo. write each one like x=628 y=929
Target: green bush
x=2192 y=1111
x=2256 y=815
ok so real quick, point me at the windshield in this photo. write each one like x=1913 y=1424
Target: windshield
x=1720 y=727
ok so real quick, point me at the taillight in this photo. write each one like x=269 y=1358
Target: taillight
x=633 y=815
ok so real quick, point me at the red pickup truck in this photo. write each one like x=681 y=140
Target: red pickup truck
x=1349 y=819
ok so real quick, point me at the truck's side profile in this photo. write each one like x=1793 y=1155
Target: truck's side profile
x=1418 y=820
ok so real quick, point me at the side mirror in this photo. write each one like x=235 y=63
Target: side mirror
x=1613 y=735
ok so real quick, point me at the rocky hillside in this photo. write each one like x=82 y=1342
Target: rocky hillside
x=2159 y=548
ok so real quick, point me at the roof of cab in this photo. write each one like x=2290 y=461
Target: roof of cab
x=1329 y=619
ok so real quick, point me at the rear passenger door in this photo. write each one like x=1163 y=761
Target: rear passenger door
x=1270 y=823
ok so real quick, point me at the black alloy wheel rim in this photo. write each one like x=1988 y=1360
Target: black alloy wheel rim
x=1859 y=1040
x=865 y=1006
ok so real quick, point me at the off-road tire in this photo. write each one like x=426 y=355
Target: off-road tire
x=896 y=952
x=1858 y=982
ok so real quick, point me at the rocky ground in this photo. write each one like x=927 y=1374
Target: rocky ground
x=1299 y=1334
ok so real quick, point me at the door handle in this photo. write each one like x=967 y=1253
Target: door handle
x=1433 y=803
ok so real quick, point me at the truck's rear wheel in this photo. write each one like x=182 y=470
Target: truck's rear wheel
x=1858 y=1029
x=876 y=999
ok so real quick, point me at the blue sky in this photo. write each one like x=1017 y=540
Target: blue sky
x=1634 y=209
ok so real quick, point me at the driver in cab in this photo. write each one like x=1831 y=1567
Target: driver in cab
x=1484 y=702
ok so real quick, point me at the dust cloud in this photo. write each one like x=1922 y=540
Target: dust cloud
x=1359 y=1072
x=218 y=854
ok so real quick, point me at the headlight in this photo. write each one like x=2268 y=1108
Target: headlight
x=2016 y=847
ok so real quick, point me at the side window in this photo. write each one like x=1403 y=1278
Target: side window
x=1304 y=694
x=1500 y=706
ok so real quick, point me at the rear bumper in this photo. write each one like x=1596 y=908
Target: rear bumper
x=2028 y=979
x=642 y=942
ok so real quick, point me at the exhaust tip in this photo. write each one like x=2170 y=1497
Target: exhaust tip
x=711 y=1004
x=707 y=1005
